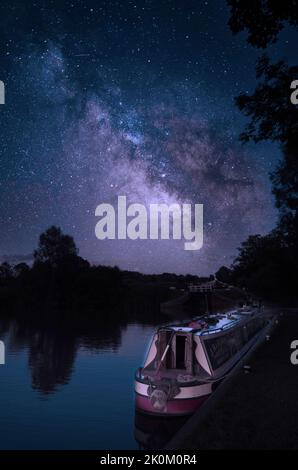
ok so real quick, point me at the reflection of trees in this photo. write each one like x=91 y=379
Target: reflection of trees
x=52 y=348
x=52 y=352
x=51 y=359
x=20 y=335
x=105 y=336
x=4 y=327
x=53 y=339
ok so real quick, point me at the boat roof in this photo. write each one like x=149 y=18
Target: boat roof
x=212 y=323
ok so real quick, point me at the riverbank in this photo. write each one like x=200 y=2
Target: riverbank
x=258 y=409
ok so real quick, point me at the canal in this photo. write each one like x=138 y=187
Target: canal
x=62 y=390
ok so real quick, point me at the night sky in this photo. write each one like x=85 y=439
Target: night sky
x=108 y=98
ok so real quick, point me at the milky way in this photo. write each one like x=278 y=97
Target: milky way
x=70 y=144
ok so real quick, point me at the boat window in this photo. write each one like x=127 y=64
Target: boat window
x=174 y=351
x=180 y=351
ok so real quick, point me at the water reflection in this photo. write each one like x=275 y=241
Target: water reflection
x=53 y=345
x=153 y=432
x=52 y=350
x=51 y=358
x=86 y=374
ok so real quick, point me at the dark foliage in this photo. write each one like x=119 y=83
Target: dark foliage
x=272 y=114
x=224 y=274
x=55 y=247
x=268 y=264
x=264 y=266
x=263 y=19
x=62 y=285
x=59 y=280
x=273 y=117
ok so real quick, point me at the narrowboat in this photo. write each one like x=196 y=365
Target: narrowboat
x=186 y=362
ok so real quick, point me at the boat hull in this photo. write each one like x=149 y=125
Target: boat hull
x=174 y=407
x=188 y=400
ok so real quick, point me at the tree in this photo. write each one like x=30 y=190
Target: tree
x=261 y=266
x=55 y=247
x=5 y=271
x=223 y=274
x=267 y=264
x=263 y=19
x=20 y=269
x=274 y=117
x=272 y=114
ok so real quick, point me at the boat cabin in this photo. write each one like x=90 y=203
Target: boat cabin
x=203 y=346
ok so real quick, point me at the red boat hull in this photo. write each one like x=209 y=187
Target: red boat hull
x=175 y=407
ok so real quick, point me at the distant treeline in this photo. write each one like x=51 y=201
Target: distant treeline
x=59 y=280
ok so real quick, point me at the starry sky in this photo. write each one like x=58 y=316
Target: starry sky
x=135 y=98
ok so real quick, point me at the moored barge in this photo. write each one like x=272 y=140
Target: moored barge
x=186 y=362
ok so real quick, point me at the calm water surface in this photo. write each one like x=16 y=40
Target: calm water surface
x=61 y=392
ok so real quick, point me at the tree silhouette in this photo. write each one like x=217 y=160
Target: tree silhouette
x=268 y=264
x=5 y=271
x=263 y=19
x=54 y=247
x=275 y=118
x=20 y=269
x=263 y=267
x=224 y=274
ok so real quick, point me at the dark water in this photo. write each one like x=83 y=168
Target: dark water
x=62 y=391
